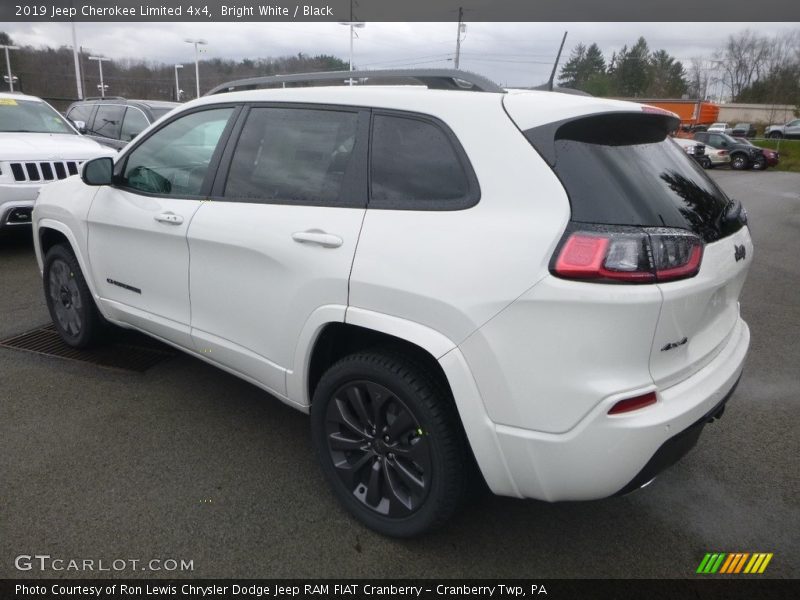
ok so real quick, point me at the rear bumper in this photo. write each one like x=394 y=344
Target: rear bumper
x=605 y=455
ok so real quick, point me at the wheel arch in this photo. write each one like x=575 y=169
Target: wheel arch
x=49 y=233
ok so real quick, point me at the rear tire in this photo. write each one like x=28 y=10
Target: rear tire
x=390 y=442
x=69 y=300
x=775 y=135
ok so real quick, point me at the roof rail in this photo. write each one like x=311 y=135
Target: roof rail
x=104 y=98
x=435 y=79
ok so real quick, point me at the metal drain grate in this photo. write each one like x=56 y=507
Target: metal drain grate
x=129 y=351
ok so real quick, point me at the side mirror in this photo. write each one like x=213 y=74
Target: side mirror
x=80 y=126
x=98 y=171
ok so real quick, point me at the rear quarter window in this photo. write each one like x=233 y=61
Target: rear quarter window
x=417 y=164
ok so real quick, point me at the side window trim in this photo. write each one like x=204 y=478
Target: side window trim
x=356 y=181
x=205 y=189
x=125 y=116
x=473 y=194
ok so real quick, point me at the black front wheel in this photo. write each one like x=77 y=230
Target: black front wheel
x=69 y=300
x=389 y=441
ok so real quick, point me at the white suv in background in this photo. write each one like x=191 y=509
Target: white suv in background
x=535 y=287
x=37 y=145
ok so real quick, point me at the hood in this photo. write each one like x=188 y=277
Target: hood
x=49 y=146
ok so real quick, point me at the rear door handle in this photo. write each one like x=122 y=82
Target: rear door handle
x=316 y=236
x=169 y=217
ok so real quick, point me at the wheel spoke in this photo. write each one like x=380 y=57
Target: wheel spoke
x=340 y=442
x=416 y=450
x=396 y=494
x=356 y=398
x=377 y=395
x=412 y=480
x=342 y=415
x=374 y=485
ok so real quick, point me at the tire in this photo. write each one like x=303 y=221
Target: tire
x=706 y=163
x=739 y=162
x=775 y=135
x=760 y=164
x=390 y=442
x=69 y=300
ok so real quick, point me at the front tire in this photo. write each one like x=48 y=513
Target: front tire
x=69 y=300
x=739 y=162
x=390 y=443
x=776 y=135
x=760 y=164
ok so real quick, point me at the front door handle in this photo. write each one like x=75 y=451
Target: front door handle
x=316 y=236
x=169 y=217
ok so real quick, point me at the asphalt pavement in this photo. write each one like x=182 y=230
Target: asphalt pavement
x=186 y=462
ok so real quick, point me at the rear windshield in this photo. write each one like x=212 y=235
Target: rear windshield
x=623 y=169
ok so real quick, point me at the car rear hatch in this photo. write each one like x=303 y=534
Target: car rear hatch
x=628 y=182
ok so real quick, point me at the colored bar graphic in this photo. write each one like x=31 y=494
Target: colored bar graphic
x=734 y=562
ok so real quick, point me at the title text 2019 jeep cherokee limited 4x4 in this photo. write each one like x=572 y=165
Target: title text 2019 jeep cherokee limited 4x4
x=540 y=286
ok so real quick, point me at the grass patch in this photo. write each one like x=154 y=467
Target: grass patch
x=789 y=150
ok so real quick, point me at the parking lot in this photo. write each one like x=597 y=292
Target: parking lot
x=186 y=462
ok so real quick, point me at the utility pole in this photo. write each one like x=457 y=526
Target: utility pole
x=100 y=60
x=555 y=65
x=8 y=66
x=196 y=60
x=177 y=85
x=76 y=60
x=462 y=27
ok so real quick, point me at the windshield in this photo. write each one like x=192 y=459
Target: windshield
x=30 y=117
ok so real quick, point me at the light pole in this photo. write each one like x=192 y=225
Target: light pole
x=100 y=60
x=353 y=26
x=196 y=43
x=8 y=66
x=76 y=60
x=177 y=85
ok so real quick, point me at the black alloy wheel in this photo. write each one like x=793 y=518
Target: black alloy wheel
x=390 y=442
x=69 y=300
x=379 y=449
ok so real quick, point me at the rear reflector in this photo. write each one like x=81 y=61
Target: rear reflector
x=630 y=404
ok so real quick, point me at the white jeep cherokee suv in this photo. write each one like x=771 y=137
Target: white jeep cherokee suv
x=37 y=146
x=537 y=287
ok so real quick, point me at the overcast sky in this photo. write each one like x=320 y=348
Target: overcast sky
x=513 y=54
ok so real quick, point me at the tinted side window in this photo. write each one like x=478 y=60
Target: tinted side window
x=173 y=161
x=293 y=155
x=82 y=112
x=415 y=165
x=133 y=124
x=107 y=121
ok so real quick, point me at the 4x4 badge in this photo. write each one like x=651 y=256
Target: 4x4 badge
x=739 y=252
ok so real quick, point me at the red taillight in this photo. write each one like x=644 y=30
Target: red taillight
x=723 y=153
x=630 y=404
x=629 y=255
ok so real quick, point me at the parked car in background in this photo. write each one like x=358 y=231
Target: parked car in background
x=114 y=121
x=742 y=155
x=772 y=157
x=789 y=130
x=746 y=130
x=720 y=128
x=37 y=145
x=706 y=156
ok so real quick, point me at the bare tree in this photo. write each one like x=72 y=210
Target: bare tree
x=744 y=58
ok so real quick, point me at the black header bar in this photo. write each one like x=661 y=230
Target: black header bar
x=712 y=11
